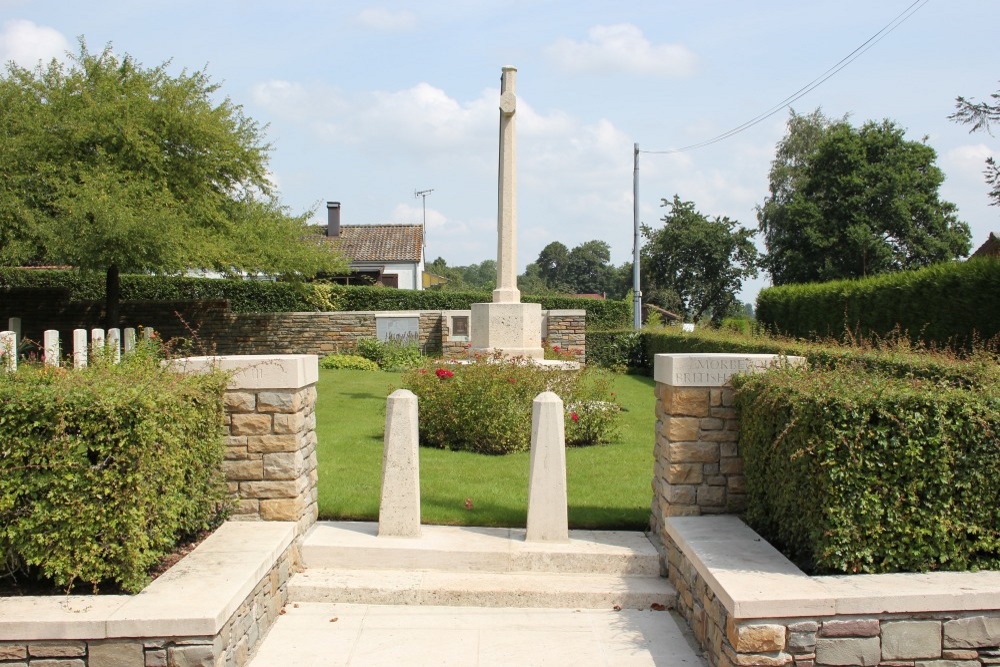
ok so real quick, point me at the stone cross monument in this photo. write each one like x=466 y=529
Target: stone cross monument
x=507 y=325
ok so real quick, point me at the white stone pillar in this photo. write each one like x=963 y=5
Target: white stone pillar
x=548 y=514
x=8 y=348
x=399 y=508
x=50 y=340
x=79 y=348
x=506 y=290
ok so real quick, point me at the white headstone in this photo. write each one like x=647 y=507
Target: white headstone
x=399 y=509
x=50 y=340
x=115 y=344
x=548 y=514
x=129 y=339
x=96 y=339
x=79 y=348
x=14 y=324
x=8 y=348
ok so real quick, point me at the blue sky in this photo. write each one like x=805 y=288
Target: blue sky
x=367 y=103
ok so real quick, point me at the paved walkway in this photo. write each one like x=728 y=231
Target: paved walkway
x=361 y=635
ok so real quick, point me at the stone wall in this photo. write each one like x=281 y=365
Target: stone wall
x=214 y=329
x=903 y=639
x=270 y=462
x=232 y=646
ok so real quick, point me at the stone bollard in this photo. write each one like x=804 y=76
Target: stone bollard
x=270 y=464
x=399 y=509
x=698 y=468
x=548 y=519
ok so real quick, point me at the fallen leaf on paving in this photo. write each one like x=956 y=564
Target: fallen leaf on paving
x=334 y=619
x=656 y=606
x=281 y=612
x=617 y=607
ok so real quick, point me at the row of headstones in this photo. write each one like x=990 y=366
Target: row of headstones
x=113 y=342
x=399 y=508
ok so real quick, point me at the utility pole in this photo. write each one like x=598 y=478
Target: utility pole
x=636 y=292
x=423 y=195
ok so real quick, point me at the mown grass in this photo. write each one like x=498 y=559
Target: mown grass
x=608 y=485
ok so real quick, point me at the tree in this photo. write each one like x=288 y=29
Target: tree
x=588 y=268
x=860 y=201
x=980 y=115
x=111 y=167
x=701 y=261
x=552 y=262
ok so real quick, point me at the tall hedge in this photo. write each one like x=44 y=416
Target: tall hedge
x=104 y=468
x=855 y=472
x=950 y=304
x=255 y=296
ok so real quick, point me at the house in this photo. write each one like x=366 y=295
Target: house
x=389 y=255
x=989 y=249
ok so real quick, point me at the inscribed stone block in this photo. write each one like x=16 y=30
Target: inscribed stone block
x=907 y=640
x=848 y=651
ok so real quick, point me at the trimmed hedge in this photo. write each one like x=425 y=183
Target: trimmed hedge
x=950 y=305
x=864 y=473
x=255 y=296
x=104 y=468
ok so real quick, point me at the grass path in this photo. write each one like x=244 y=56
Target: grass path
x=608 y=485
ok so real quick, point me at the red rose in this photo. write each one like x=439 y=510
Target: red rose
x=575 y=417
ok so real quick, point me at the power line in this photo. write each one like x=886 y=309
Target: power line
x=812 y=85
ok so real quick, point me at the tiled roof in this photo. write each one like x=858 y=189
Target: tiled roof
x=380 y=243
x=989 y=249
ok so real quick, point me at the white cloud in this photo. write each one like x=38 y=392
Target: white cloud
x=27 y=43
x=968 y=159
x=380 y=18
x=621 y=48
x=410 y=214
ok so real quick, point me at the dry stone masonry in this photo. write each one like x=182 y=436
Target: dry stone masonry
x=698 y=466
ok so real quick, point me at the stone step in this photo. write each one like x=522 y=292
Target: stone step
x=346 y=545
x=481 y=589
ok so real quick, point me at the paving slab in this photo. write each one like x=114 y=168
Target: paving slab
x=351 y=635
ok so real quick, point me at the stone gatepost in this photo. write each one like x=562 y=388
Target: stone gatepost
x=698 y=468
x=270 y=463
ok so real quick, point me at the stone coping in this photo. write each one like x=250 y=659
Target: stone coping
x=713 y=369
x=753 y=580
x=196 y=597
x=258 y=371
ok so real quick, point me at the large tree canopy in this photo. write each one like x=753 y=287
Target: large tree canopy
x=112 y=167
x=701 y=261
x=849 y=202
x=980 y=115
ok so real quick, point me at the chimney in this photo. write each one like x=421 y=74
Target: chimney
x=333 y=218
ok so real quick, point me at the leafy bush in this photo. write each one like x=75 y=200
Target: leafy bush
x=485 y=406
x=348 y=361
x=390 y=355
x=864 y=472
x=947 y=304
x=620 y=350
x=104 y=468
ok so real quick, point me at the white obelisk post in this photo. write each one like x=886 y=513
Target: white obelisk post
x=507 y=325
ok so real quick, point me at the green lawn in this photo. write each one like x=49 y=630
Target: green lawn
x=609 y=485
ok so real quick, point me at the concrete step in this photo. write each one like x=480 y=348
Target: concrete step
x=347 y=545
x=481 y=589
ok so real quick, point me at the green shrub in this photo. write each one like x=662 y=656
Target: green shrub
x=620 y=350
x=391 y=355
x=485 y=406
x=862 y=472
x=348 y=361
x=104 y=468
x=944 y=305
